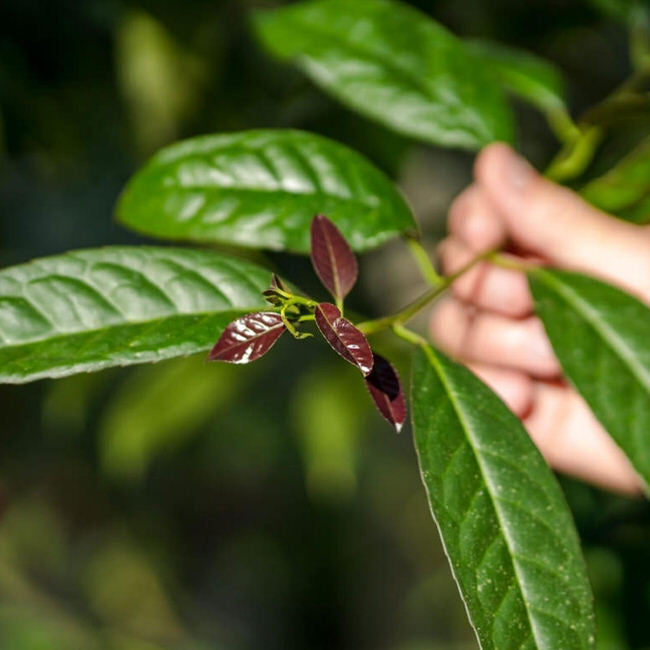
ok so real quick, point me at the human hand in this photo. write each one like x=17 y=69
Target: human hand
x=488 y=320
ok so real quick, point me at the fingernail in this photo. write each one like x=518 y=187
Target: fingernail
x=519 y=172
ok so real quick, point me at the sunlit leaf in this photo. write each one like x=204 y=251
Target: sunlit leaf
x=91 y=309
x=386 y=391
x=333 y=260
x=506 y=528
x=394 y=64
x=261 y=189
x=344 y=337
x=248 y=338
x=600 y=335
x=625 y=189
x=522 y=73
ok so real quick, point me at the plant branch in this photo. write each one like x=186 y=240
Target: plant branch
x=379 y=324
x=423 y=261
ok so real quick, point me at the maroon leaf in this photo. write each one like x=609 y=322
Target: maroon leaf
x=248 y=338
x=344 y=337
x=386 y=391
x=333 y=260
x=276 y=283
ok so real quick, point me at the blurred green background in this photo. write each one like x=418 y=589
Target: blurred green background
x=192 y=506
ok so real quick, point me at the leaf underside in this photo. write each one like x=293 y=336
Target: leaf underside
x=386 y=391
x=333 y=261
x=393 y=64
x=601 y=336
x=344 y=337
x=505 y=525
x=92 y=309
x=261 y=189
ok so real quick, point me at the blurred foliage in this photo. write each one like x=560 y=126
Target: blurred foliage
x=182 y=506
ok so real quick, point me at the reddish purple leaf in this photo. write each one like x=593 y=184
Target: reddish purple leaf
x=386 y=391
x=333 y=260
x=276 y=283
x=344 y=337
x=248 y=338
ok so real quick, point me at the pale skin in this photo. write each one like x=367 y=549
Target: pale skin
x=487 y=320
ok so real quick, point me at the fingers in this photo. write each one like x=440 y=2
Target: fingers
x=474 y=221
x=493 y=339
x=514 y=388
x=556 y=223
x=485 y=285
x=573 y=442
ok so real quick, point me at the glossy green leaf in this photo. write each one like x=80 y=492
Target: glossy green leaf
x=601 y=336
x=524 y=74
x=505 y=525
x=391 y=63
x=625 y=189
x=91 y=309
x=261 y=189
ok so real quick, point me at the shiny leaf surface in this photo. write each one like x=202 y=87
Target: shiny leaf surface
x=625 y=189
x=522 y=73
x=506 y=527
x=391 y=63
x=248 y=338
x=386 y=391
x=333 y=260
x=344 y=337
x=261 y=189
x=91 y=309
x=601 y=337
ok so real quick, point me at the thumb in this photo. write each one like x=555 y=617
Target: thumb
x=555 y=223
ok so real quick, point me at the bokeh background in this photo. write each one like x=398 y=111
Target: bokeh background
x=187 y=506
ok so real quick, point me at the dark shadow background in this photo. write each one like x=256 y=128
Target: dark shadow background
x=185 y=506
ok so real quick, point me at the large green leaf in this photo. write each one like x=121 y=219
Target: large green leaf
x=503 y=520
x=91 y=309
x=261 y=189
x=522 y=73
x=393 y=64
x=601 y=336
x=625 y=189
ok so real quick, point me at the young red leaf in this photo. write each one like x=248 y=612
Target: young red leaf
x=344 y=337
x=248 y=338
x=386 y=391
x=276 y=283
x=333 y=260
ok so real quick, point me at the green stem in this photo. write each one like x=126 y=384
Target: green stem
x=409 y=335
x=575 y=157
x=561 y=123
x=423 y=261
x=379 y=324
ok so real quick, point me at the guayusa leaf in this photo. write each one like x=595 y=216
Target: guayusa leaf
x=344 y=337
x=248 y=338
x=119 y=305
x=624 y=190
x=261 y=189
x=386 y=391
x=333 y=260
x=505 y=525
x=601 y=337
x=392 y=63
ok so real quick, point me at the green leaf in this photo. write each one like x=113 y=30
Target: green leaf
x=531 y=77
x=393 y=64
x=600 y=335
x=261 y=189
x=91 y=309
x=504 y=522
x=625 y=189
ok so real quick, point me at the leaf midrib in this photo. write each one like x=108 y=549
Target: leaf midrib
x=607 y=334
x=493 y=494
